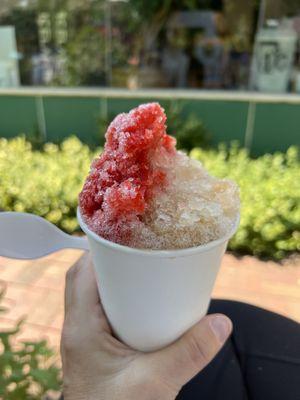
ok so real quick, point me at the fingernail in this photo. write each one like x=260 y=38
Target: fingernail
x=221 y=326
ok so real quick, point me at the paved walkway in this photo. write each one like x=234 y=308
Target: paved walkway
x=35 y=289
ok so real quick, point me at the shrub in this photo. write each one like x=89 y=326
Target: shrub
x=27 y=370
x=187 y=127
x=47 y=183
x=270 y=198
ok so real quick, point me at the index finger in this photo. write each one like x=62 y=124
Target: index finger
x=82 y=299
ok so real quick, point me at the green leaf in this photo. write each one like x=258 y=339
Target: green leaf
x=23 y=369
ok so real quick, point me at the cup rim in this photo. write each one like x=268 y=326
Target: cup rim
x=156 y=253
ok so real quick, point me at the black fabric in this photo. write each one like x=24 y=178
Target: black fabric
x=261 y=360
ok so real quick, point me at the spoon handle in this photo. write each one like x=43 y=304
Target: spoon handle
x=79 y=243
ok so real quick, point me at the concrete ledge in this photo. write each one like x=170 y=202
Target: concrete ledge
x=189 y=94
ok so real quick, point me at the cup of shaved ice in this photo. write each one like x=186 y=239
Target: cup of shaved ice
x=158 y=225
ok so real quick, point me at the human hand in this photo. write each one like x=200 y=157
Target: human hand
x=97 y=366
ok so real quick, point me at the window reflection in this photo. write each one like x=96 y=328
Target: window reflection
x=226 y=45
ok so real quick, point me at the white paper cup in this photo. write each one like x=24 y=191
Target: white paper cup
x=151 y=297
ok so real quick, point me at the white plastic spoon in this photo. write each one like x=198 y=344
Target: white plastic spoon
x=27 y=236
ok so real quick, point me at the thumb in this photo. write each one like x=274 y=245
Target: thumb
x=183 y=359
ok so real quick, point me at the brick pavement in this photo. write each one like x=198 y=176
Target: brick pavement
x=35 y=289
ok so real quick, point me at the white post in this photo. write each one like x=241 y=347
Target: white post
x=250 y=125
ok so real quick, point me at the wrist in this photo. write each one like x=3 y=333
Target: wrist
x=76 y=390
x=73 y=394
x=76 y=393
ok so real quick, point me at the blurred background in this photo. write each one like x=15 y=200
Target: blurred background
x=240 y=60
x=227 y=73
x=209 y=44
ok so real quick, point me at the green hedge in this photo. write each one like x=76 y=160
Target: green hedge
x=47 y=183
x=270 y=198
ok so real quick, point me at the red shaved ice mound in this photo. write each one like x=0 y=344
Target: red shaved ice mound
x=143 y=193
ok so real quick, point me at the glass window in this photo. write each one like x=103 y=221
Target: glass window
x=167 y=44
